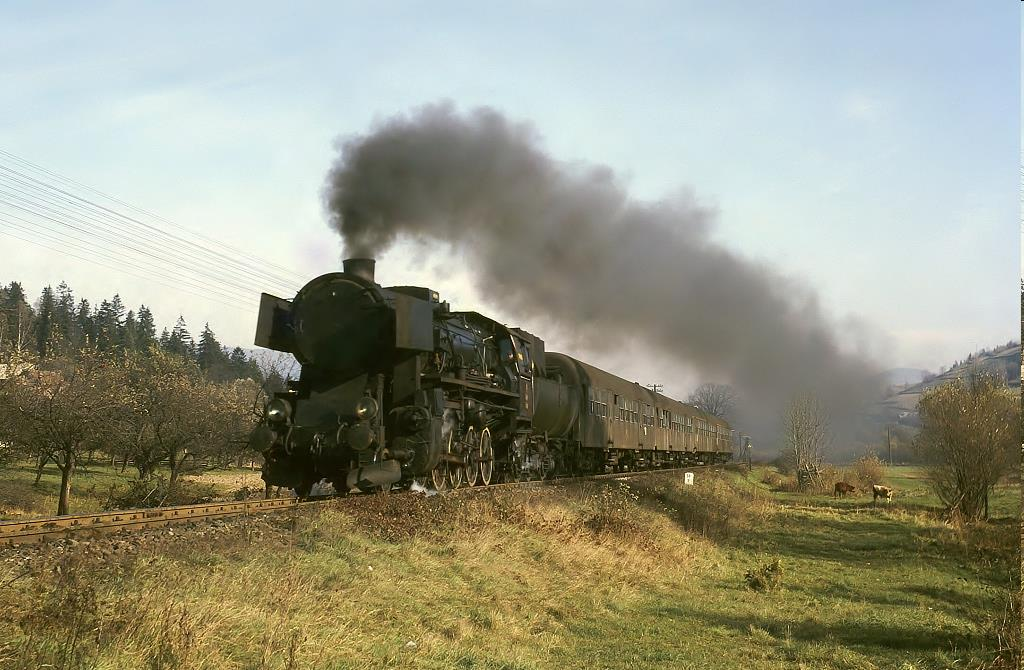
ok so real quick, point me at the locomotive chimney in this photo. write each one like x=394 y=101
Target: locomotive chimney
x=360 y=267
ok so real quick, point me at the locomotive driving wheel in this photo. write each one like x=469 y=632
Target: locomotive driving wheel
x=440 y=475
x=455 y=471
x=486 y=464
x=471 y=452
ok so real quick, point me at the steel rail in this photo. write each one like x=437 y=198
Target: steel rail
x=37 y=530
x=629 y=474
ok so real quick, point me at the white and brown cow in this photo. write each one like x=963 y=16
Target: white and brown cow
x=881 y=492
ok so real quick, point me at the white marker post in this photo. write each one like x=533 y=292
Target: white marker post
x=688 y=479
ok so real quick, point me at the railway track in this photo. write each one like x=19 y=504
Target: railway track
x=38 y=530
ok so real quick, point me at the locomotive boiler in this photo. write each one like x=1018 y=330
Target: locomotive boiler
x=396 y=387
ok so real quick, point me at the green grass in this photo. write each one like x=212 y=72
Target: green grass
x=603 y=576
x=911 y=493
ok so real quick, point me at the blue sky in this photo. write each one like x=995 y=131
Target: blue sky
x=870 y=149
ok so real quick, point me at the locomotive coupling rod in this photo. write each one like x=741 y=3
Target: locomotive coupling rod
x=455 y=459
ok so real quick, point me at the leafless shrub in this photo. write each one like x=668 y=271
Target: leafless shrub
x=805 y=435
x=867 y=470
x=158 y=492
x=970 y=436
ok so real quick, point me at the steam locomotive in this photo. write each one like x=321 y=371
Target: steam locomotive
x=396 y=388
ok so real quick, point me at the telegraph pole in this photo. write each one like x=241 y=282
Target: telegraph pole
x=888 y=441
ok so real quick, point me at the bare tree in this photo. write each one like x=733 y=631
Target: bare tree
x=175 y=415
x=58 y=413
x=715 y=399
x=970 y=432
x=806 y=436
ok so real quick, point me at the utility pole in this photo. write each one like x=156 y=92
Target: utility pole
x=888 y=441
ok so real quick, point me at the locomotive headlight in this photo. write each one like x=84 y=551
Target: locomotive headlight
x=366 y=409
x=278 y=410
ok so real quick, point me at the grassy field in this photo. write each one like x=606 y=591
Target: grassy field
x=94 y=485
x=648 y=573
x=911 y=492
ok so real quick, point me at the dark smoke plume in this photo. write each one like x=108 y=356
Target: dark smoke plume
x=566 y=243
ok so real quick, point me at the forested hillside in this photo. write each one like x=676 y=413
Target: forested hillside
x=58 y=323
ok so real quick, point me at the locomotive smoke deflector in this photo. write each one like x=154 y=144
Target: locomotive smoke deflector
x=360 y=267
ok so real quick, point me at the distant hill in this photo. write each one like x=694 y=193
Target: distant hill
x=904 y=376
x=894 y=418
x=1003 y=361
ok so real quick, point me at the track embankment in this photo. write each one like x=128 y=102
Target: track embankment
x=48 y=528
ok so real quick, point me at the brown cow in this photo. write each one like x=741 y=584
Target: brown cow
x=881 y=492
x=842 y=488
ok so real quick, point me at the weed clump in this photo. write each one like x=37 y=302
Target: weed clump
x=158 y=492
x=768 y=577
x=773 y=479
x=615 y=512
x=868 y=470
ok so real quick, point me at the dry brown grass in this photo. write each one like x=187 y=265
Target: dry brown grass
x=522 y=562
x=234 y=479
x=564 y=576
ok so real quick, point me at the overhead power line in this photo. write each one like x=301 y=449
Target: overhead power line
x=32 y=205
x=32 y=188
x=119 y=266
x=111 y=238
x=239 y=253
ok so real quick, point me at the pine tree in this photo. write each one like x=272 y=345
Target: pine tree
x=106 y=327
x=165 y=340
x=86 y=326
x=180 y=341
x=238 y=359
x=209 y=353
x=117 y=318
x=243 y=366
x=146 y=329
x=110 y=324
x=44 y=321
x=64 y=324
x=130 y=332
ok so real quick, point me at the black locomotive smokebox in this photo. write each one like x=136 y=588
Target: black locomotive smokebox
x=360 y=267
x=340 y=324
